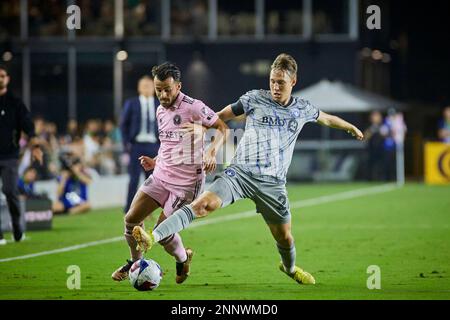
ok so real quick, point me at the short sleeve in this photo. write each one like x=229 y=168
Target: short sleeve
x=248 y=101
x=207 y=116
x=237 y=108
x=311 y=113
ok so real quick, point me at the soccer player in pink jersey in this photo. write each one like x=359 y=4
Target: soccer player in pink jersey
x=179 y=168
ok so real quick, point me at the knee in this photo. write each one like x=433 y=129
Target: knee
x=199 y=207
x=285 y=240
x=205 y=205
x=129 y=219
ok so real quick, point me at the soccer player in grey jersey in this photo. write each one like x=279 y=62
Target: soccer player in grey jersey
x=258 y=170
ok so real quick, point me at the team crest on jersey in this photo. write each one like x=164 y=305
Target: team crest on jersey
x=292 y=125
x=295 y=113
x=177 y=120
x=230 y=172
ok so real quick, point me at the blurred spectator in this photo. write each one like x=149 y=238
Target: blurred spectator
x=444 y=126
x=189 y=18
x=236 y=18
x=47 y=18
x=112 y=132
x=72 y=132
x=97 y=18
x=73 y=184
x=387 y=131
x=91 y=141
x=142 y=17
x=26 y=183
x=10 y=19
x=44 y=170
x=375 y=147
x=99 y=147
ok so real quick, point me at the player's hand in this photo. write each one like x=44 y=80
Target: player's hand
x=193 y=128
x=209 y=162
x=355 y=132
x=147 y=163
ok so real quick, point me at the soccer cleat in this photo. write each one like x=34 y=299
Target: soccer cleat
x=122 y=273
x=184 y=267
x=2 y=242
x=145 y=241
x=299 y=275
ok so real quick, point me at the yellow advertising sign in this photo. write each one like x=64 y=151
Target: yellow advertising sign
x=437 y=163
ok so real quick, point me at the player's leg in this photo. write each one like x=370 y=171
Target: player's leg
x=285 y=244
x=206 y=203
x=219 y=194
x=286 y=248
x=272 y=202
x=173 y=245
x=141 y=206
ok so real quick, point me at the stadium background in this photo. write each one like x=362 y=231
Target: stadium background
x=224 y=48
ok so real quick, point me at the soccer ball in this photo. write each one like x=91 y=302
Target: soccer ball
x=145 y=274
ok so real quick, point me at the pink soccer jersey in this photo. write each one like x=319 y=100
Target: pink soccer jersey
x=180 y=157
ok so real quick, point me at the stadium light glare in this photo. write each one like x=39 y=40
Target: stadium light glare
x=122 y=55
x=7 y=56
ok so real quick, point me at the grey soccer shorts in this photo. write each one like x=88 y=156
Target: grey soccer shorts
x=270 y=198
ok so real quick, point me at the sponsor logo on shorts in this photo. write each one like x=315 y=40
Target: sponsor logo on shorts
x=230 y=172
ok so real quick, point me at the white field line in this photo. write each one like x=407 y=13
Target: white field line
x=346 y=195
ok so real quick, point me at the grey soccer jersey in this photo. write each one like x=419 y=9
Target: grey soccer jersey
x=271 y=130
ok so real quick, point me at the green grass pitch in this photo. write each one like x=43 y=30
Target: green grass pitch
x=404 y=231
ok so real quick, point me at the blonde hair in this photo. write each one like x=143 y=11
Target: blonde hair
x=285 y=62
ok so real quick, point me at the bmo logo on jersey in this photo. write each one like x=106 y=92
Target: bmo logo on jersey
x=275 y=122
x=292 y=124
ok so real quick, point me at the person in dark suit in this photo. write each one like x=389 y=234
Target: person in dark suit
x=139 y=130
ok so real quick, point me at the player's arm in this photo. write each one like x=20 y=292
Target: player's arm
x=232 y=112
x=148 y=163
x=331 y=121
x=217 y=141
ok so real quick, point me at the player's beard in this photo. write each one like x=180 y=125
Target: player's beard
x=166 y=105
